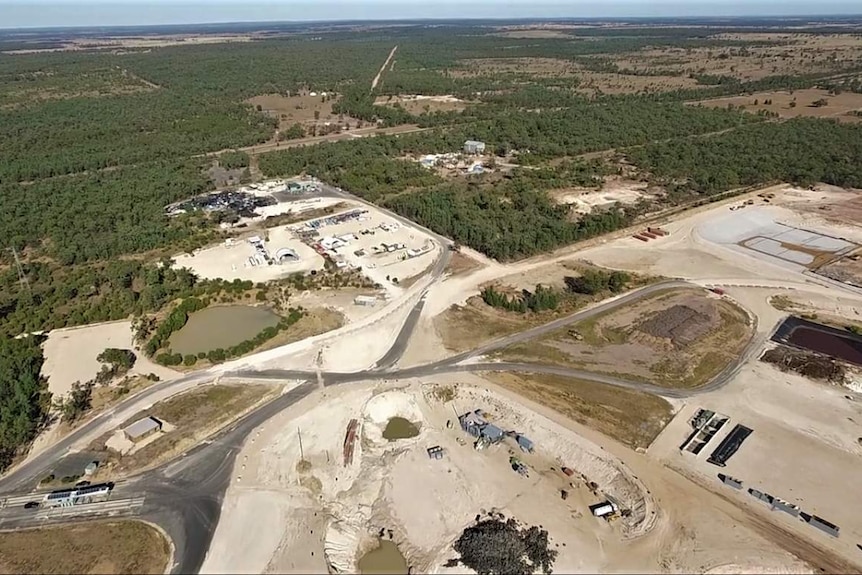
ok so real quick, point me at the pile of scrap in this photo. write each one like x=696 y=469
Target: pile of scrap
x=650 y=234
x=349 y=441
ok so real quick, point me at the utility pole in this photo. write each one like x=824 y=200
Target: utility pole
x=22 y=277
x=301 y=454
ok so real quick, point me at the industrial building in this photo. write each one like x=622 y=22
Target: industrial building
x=142 y=429
x=475 y=424
x=365 y=300
x=286 y=255
x=474 y=147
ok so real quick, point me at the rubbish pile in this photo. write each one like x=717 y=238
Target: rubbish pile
x=496 y=545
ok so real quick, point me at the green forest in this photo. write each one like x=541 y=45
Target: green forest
x=96 y=143
x=24 y=397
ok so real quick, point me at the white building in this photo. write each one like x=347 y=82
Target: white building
x=474 y=147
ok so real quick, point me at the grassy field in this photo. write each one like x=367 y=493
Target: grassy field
x=791 y=104
x=616 y=342
x=91 y=547
x=630 y=417
x=192 y=416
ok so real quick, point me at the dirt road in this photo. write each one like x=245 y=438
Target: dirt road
x=382 y=68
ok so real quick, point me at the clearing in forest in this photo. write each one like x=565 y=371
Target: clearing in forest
x=844 y=107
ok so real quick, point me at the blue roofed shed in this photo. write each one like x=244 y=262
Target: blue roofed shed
x=525 y=444
x=492 y=433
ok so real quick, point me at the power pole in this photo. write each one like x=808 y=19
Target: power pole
x=22 y=277
x=301 y=454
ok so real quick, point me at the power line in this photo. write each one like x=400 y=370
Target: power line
x=22 y=277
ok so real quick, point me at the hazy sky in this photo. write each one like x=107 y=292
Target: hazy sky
x=38 y=13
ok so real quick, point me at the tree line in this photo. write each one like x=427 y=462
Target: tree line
x=24 y=398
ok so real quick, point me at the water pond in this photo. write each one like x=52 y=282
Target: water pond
x=386 y=558
x=221 y=327
x=399 y=428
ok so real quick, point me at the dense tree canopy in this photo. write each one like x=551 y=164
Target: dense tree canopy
x=24 y=399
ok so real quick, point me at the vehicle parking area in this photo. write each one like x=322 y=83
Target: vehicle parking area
x=258 y=257
x=387 y=251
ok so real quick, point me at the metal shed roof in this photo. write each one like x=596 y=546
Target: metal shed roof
x=142 y=427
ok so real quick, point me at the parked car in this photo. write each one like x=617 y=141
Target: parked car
x=31 y=505
x=82 y=484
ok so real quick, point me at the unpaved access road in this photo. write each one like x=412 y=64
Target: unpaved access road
x=382 y=69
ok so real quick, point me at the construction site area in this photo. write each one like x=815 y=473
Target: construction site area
x=355 y=237
x=676 y=338
x=331 y=485
x=362 y=454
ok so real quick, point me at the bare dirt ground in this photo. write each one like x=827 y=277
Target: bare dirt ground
x=675 y=525
x=231 y=261
x=70 y=354
x=541 y=67
x=800 y=54
x=417 y=104
x=531 y=33
x=153 y=41
x=630 y=417
x=313 y=113
x=797 y=103
x=584 y=200
x=804 y=449
x=678 y=338
x=594 y=83
x=190 y=418
x=91 y=547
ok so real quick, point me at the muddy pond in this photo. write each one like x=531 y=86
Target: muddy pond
x=386 y=558
x=221 y=327
x=400 y=428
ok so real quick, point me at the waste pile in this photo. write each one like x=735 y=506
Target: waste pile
x=496 y=545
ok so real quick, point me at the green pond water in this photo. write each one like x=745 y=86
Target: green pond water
x=386 y=558
x=221 y=327
x=399 y=428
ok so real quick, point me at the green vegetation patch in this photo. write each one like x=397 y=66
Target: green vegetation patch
x=24 y=397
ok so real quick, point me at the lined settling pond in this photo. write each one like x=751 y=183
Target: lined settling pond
x=221 y=327
x=836 y=343
x=400 y=428
x=386 y=558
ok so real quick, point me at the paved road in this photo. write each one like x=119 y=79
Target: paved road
x=185 y=495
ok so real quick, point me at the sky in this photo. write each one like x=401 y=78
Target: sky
x=50 y=13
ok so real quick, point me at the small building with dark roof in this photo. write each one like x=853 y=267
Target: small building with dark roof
x=142 y=428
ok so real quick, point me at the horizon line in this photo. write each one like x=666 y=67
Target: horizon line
x=536 y=19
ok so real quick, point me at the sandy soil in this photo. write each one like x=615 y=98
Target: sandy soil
x=378 y=490
x=584 y=200
x=386 y=267
x=804 y=449
x=417 y=104
x=231 y=261
x=350 y=504
x=70 y=354
x=838 y=106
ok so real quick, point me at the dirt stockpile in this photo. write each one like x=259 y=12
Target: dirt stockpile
x=806 y=364
x=499 y=545
x=680 y=324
